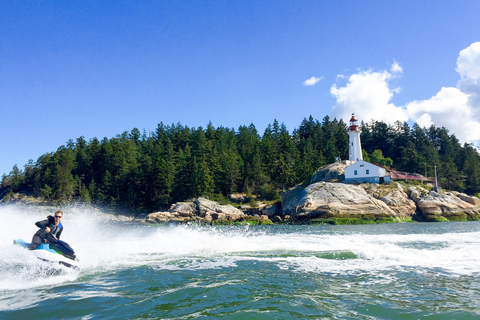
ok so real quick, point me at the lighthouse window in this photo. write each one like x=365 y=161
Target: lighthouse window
x=352 y=144
x=368 y=171
x=355 y=172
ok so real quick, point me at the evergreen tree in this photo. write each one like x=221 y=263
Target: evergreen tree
x=65 y=186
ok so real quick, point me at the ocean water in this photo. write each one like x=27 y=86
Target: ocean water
x=133 y=271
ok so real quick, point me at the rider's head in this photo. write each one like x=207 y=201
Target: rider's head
x=58 y=216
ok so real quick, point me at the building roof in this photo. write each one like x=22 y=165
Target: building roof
x=407 y=176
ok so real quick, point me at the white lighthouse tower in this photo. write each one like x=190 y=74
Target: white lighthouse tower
x=354 y=144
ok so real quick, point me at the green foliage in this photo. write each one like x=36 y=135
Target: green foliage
x=473 y=218
x=46 y=191
x=10 y=195
x=377 y=157
x=266 y=222
x=365 y=156
x=438 y=219
x=364 y=220
x=341 y=221
x=219 y=198
x=393 y=220
x=268 y=192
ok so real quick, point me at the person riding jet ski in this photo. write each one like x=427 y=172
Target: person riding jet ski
x=50 y=228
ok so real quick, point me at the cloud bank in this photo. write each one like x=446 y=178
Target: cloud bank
x=368 y=93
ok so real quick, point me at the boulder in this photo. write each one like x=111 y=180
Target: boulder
x=216 y=211
x=334 y=172
x=325 y=200
x=450 y=205
x=262 y=208
x=200 y=210
x=162 y=217
x=184 y=209
x=469 y=199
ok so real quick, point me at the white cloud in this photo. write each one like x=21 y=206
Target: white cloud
x=395 y=68
x=468 y=62
x=368 y=94
x=312 y=81
x=457 y=109
x=425 y=120
x=448 y=108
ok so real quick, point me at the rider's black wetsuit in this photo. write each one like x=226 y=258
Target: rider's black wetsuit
x=42 y=235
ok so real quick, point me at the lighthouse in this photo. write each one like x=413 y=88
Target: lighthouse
x=360 y=171
x=354 y=145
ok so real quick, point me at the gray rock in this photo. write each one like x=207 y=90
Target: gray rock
x=184 y=209
x=334 y=172
x=451 y=205
x=394 y=196
x=324 y=199
x=217 y=212
x=290 y=200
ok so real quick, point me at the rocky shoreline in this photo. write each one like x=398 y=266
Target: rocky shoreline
x=324 y=199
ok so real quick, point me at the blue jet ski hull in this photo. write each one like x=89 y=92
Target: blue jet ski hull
x=56 y=253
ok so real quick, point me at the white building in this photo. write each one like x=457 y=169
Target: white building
x=367 y=172
x=361 y=170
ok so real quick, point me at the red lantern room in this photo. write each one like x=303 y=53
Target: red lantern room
x=353 y=125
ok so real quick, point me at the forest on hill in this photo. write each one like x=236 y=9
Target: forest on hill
x=148 y=172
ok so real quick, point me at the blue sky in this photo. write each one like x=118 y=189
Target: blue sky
x=98 y=68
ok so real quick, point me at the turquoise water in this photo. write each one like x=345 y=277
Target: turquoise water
x=130 y=271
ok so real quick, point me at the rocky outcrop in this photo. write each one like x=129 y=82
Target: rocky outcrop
x=327 y=200
x=394 y=196
x=331 y=200
x=202 y=210
x=162 y=217
x=184 y=209
x=434 y=206
x=334 y=172
x=211 y=210
x=325 y=197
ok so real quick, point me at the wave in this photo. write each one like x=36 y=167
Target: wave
x=104 y=245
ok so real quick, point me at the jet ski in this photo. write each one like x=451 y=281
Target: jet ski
x=55 y=251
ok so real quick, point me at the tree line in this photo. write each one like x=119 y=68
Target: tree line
x=147 y=172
